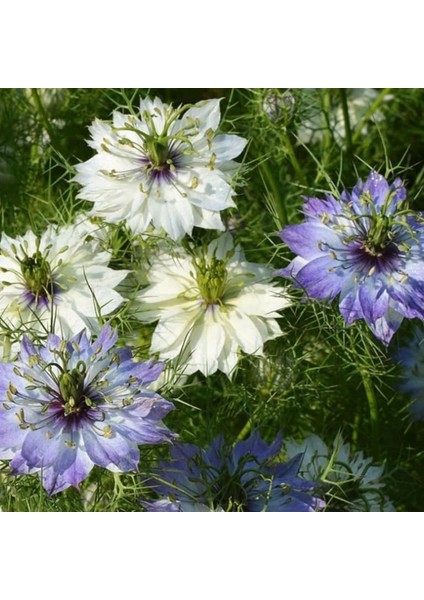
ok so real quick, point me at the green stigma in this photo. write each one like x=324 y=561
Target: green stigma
x=36 y=272
x=158 y=151
x=71 y=387
x=380 y=234
x=211 y=275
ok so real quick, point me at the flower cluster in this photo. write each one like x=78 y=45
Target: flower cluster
x=353 y=482
x=70 y=405
x=77 y=403
x=58 y=282
x=239 y=478
x=167 y=167
x=209 y=305
x=366 y=247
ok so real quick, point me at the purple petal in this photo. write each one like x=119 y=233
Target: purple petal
x=113 y=450
x=386 y=327
x=106 y=340
x=321 y=278
x=374 y=300
x=310 y=240
x=350 y=306
x=39 y=450
x=315 y=208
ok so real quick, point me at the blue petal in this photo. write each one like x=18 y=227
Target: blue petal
x=106 y=340
x=378 y=187
x=350 y=306
x=114 y=450
x=55 y=482
x=315 y=208
x=310 y=240
x=40 y=450
x=321 y=278
x=374 y=300
x=256 y=446
x=386 y=327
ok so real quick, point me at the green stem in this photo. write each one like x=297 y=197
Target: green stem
x=118 y=488
x=355 y=431
x=372 y=109
x=276 y=192
x=6 y=348
x=293 y=159
x=42 y=114
x=372 y=400
x=325 y=111
x=243 y=433
x=348 y=130
x=373 y=408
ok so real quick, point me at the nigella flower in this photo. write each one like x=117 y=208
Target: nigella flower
x=239 y=478
x=70 y=405
x=366 y=247
x=411 y=360
x=353 y=482
x=209 y=305
x=58 y=282
x=166 y=166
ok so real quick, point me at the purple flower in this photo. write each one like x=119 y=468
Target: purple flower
x=368 y=248
x=242 y=478
x=71 y=405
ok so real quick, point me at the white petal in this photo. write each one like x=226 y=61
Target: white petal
x=245 y=332
x=171 y=212
x=227 y=147
x=172 y=333
x=207 y=219
x=261 y=300
x=206 y=342
x=206 y=113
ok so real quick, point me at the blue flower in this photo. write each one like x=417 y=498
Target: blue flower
x=367 y=248
x=411 y=359
x=242 y=478
x=74 y=404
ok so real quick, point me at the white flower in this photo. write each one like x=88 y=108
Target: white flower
x=58 y=282
x=167 y=167
x=209 y=306
x=359 y=102
x=356 y=484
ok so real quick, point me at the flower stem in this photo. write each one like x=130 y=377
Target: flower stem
x=348 y=130
x=6 y=348
x=243 y=433
x=372 y=109
x=325 y=111
x=276 y=192
x=42 y=114
x=118 y=488
x=355 y=431
x=373 y=408
x=293 y=159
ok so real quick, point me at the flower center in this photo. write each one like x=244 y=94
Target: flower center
x=380 y=236
x=36 y=272
x=71 y=387
x=211 y=278
x=161 y=158
x=229 y=493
